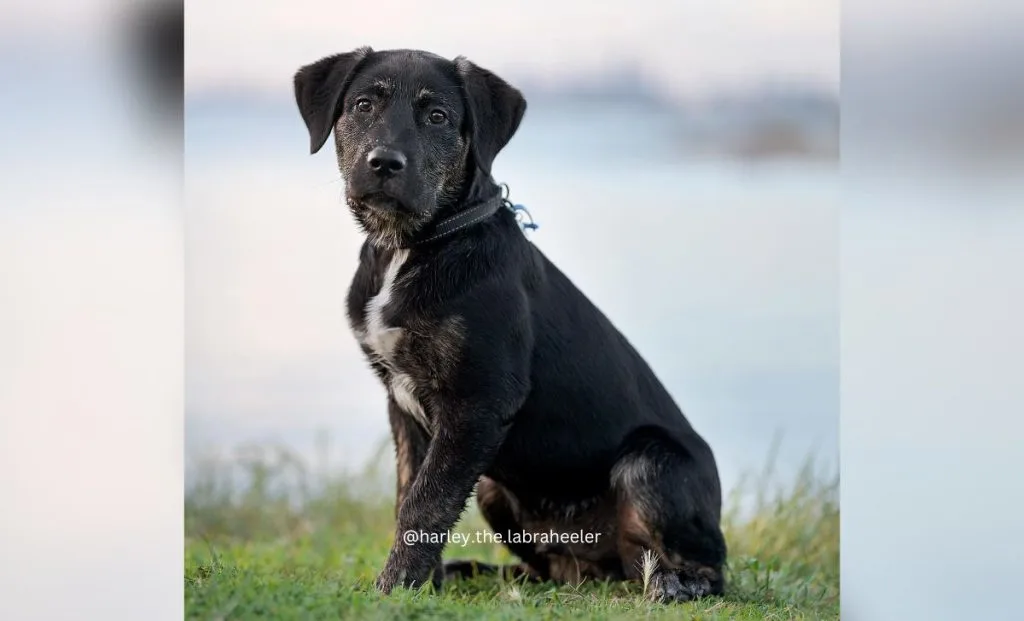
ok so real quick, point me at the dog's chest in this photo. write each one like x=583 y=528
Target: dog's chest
x=383 y=340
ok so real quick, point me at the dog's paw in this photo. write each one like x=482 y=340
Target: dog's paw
x=392 y=577
x=665 y=587
x=693 y=588
x=384 y=584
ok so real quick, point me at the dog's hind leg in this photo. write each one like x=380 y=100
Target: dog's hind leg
x=668 y=513
x=496 y=507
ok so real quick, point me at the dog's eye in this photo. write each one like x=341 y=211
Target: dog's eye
x=437 y=117
x=364 y=105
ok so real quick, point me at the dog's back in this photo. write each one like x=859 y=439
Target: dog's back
x=589 y=389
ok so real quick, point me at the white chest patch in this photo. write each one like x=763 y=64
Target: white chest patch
x=377 y=335
x=402 y=389
x=382 y=340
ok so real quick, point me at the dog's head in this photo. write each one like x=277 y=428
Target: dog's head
x=415 y=133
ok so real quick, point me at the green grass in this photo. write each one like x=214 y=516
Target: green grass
x=297 y=545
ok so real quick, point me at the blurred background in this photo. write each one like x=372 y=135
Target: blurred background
x=680 y=159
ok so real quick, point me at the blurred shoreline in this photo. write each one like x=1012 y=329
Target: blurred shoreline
x=766 y=122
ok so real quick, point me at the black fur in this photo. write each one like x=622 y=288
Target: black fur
x=500 y=372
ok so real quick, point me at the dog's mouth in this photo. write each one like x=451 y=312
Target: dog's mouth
x=380 y=200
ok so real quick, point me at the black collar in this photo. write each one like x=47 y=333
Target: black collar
x=473 y=214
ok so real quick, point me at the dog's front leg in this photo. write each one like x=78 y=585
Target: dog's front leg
x=461 y=449
x=411 y=444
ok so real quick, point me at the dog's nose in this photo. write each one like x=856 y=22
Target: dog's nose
x=386 y=162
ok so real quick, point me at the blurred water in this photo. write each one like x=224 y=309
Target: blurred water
x=725 y=277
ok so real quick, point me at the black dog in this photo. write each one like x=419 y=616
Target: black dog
x=499 y=372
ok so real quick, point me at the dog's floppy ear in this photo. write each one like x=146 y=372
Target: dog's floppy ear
x=494 y=108
x=319 y=88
